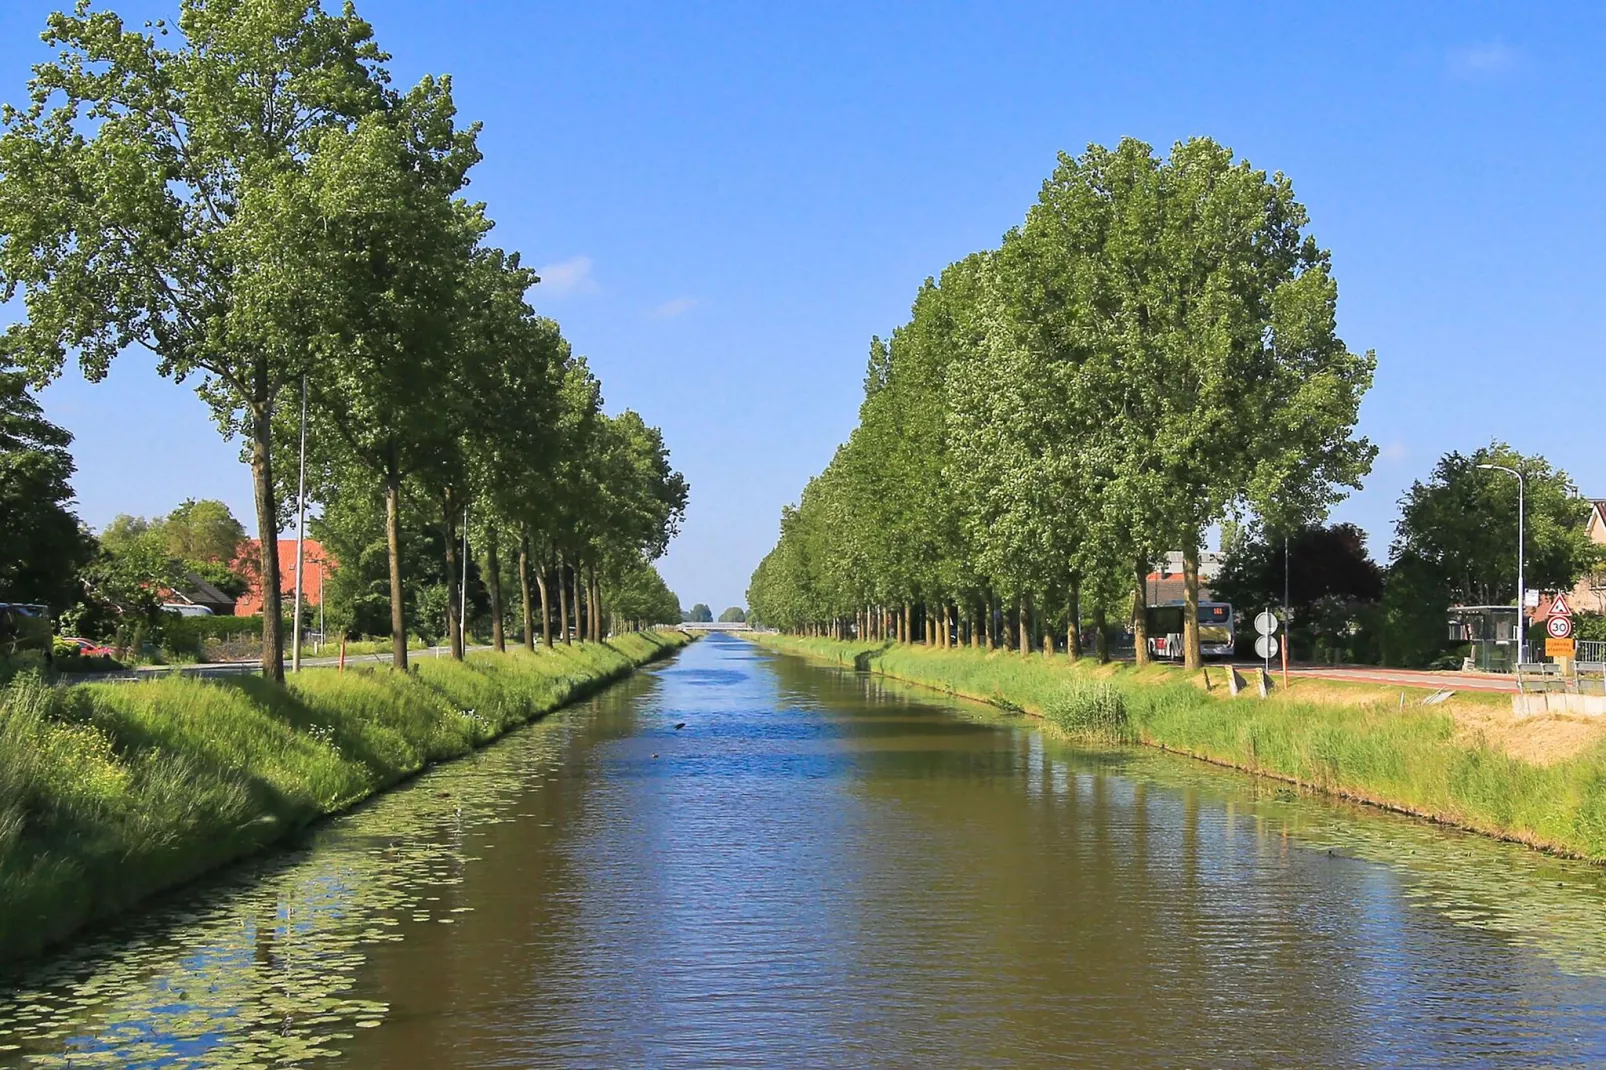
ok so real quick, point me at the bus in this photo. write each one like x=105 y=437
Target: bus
x=1217 y=635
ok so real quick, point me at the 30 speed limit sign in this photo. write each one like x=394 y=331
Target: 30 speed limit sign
x=1559 y=627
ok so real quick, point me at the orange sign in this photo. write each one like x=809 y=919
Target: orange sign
x=1558 y=648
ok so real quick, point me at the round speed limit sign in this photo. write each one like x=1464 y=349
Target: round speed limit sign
x=1559 y=627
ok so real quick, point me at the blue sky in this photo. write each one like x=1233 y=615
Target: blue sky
x=730 y=199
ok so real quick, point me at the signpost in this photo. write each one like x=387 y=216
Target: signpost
x=1559 y=643
x=1266 y=645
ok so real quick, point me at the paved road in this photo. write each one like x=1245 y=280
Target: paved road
x=245 y=668
x=1369 y=674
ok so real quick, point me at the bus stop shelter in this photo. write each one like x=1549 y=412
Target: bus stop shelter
x=1491 y=631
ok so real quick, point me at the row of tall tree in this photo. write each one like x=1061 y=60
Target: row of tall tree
x=245 y=195
x=1152 y=351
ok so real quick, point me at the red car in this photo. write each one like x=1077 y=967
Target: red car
x=87 y=648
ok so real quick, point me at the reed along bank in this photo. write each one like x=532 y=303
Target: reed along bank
x=112 y=792
x=1465 y=762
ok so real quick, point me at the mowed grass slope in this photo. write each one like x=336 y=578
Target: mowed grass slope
x=1361 y=745
x=111 y=792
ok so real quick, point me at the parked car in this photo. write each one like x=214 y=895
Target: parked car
x=86 y=647
x=184 y=609
x=23 y=626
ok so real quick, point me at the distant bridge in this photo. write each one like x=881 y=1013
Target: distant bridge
x=715 y=626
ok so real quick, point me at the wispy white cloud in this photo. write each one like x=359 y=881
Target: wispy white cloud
x=1393 y=451
x=678 y=306
x=1483 y=61
x=567 y=277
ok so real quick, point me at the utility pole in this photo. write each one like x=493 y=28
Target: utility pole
x=1288 y=629
x=462 y=592
x=301 y=534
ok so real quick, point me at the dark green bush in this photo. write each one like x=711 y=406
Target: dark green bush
x=185 y=637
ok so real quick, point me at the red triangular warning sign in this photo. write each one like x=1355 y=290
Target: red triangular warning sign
x=1560 y=608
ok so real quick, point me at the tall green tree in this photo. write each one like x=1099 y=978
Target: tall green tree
x=41 y=544
x=1462 y=523
x=139 y=205
x=202 y=531
x=382 y=251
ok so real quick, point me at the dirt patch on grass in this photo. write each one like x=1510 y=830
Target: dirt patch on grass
x=1543 y=740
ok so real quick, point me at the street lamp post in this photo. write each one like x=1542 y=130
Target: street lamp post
x=1522 y=592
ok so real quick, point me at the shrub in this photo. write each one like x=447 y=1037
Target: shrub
x=1091 y=709
x=186 y=637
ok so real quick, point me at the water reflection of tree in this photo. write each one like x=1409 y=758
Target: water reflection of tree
x=1162 y=904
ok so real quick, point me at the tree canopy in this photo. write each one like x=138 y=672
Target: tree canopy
x=1151 y=351
x=41 y=546
x=1461 y=523
x=243 y=193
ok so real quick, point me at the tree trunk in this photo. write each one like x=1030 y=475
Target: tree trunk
x=579 y=604
x=563 y=602
x=594 y=599
x=908 y=623
x=990 y=630
x=267 y=544
x=1192 y=654
x=454 y=627
x=493 y=584
x=1073 y=622
x=524 y=589
x=1140 y=614
x=942 y=636
x=398 y=617
x=546 y=608
x=1024 y=609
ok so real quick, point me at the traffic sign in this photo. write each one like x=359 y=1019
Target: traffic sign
x=1559 y=627
x=1266 y=624
x=1266 y=646
x=1560 y=608
x=1559 y=648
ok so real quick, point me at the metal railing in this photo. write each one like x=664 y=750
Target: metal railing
x=1591 y=650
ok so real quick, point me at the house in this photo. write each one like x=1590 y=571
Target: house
x=1589 y=596
x=318 y=565
x=198 y=592
x=1166 y=584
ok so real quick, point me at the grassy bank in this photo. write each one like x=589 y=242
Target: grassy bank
x=1357 y=743
x=111 y=792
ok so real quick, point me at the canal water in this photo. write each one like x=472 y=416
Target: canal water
x=822 y=869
